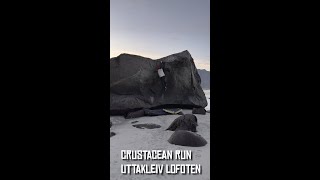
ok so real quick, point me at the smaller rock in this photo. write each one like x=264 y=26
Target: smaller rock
x=134 y=122
x=112 y=134
x=187 y=138
x=185 y=122
x=199 y=111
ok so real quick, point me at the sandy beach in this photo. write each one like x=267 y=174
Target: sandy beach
x=130 y=138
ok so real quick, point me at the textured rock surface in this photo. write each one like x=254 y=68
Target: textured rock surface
x=187 y=138
x=135 y=84
x=199 y=111
x=187 y=122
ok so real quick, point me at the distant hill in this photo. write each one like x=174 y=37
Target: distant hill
x=205 y=78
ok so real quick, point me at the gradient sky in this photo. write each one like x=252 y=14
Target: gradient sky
x=158 y=28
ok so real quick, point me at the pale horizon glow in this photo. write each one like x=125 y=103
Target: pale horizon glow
x=158 y=28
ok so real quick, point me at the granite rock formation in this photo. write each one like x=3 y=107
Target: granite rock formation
x=135 y=84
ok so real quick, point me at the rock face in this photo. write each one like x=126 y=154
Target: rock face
x=135 y=84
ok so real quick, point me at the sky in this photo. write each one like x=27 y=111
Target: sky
x=158 y=28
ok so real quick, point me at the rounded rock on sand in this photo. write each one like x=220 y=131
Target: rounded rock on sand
x=185 y=122
x=112 y=134
x=187 y=138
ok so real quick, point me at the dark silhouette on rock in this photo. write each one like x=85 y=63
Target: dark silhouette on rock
x=187 y=122
x=135 y=83
x=187 y=138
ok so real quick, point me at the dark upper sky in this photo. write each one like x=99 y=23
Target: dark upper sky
x=158 y=28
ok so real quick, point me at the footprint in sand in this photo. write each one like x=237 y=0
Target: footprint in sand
x=198 y=155
x=146 y=126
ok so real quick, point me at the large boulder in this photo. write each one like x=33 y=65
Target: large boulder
x=135 y=84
